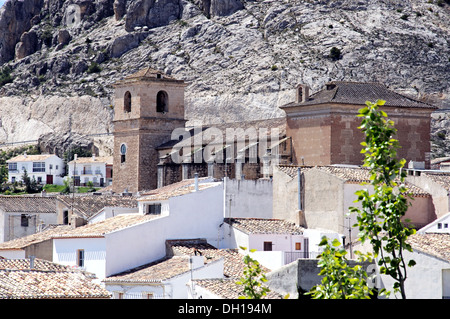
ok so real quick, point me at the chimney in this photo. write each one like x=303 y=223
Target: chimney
x=302 y=93
x=32 y=262
x=196 y=181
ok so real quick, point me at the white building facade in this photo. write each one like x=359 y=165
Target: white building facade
x=97 y=170
x=44 y=168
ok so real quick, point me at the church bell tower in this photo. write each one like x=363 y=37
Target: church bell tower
x=148 y=106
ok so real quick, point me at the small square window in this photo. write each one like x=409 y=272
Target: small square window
x=439 y=225
x=24 y=220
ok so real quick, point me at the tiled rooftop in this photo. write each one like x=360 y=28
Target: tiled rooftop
x=88 y=205
x=101 y=228
x=258 y=125
x=29 y=158
x=357 y=93
x=177 y=189
x=228 y=288
x=233 y=261
x=442 y=179
x=25 y=241
x=28 y=204
x=92 y=159
x=149 y=73
x=45 y=280
x=157 y=271
x=264 y=226
x=435 y=244
x=348 y=174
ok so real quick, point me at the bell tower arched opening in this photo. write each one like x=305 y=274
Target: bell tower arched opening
x=127 y=102
x=162 y=102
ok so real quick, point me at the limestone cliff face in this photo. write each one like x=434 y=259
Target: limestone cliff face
x=241 y=59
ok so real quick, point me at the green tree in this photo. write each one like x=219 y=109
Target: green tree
x=253 y=279
x=380 y=217
x=339 y=280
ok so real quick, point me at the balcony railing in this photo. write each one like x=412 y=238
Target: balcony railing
x=290 y=256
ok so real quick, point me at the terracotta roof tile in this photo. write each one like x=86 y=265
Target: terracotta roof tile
x=30 y=158
x=26 y=241
x=45 y=280
x=442 y=179
x=228 y=288
x=264 y=226
x=358 y=93
x=88 y=205
x=101 y=228
x=348 y=174
x=435 y=244
x=28 y=204
x=177 y=189
x=91 y=159
x=233 y=261
x=157 y=271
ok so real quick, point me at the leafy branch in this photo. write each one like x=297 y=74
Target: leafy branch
x=380 y=217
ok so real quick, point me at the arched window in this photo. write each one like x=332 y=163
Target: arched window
x=127 y=102
x=162 y=102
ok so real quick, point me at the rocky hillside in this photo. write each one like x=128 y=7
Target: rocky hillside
x=241 y=58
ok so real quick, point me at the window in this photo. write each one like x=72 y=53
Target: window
x=298 y=246
x=439 y=225
x=127 y=102
x=147 y=295
x=80 y=257
x=12 y=166
x=38 y=167
x=24 y=220
x=123 y=151
x=268 y=246
x=118 y=295
x=65 y=217
x=162 y=102
x=39 y=179
x=154 y=209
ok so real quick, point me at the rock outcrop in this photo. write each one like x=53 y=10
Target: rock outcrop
x=241 y=59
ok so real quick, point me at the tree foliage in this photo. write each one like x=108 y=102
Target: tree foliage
x=380 y=217
x=253 y=279
x=339 y=280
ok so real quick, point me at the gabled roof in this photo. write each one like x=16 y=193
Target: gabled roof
x=348 y=174
x=357 y=93
x=233 y=261
x=435 y=244
x=177 y=189
x=46 y=280
x=93 y=160
x=156 y=271
x=271 y=125
x=442 y=179
x=23 y=242
x=30 y=158
x=228 y=288
x=28 y=204
x=88 y=205
x=109 y=225
x=149 y=74
x=264 y=226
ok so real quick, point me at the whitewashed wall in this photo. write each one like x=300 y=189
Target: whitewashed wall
x=65 y=253
x=13 y=253
x=249 y=198
x=426 y=280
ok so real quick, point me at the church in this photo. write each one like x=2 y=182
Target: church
x=153 y=147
